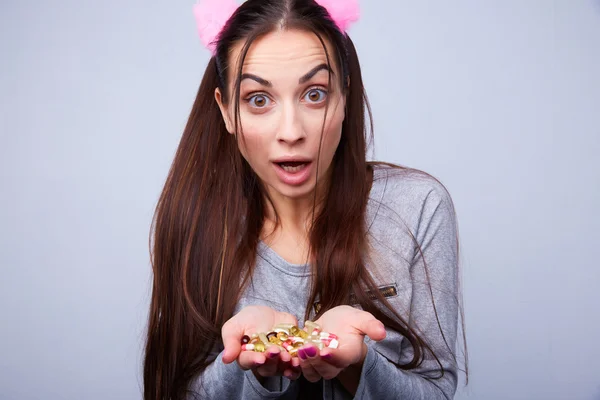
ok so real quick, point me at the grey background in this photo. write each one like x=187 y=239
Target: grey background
x=498 y=99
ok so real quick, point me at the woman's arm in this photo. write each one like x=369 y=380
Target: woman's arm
x=229 y=381
x=376 y=377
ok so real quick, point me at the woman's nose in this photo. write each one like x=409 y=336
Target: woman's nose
x=291 y=127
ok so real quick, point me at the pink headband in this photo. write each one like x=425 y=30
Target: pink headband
x=211 y=16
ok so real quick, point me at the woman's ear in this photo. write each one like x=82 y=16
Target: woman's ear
x=224 y=111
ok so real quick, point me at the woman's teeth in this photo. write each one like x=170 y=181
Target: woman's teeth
x=292 y=167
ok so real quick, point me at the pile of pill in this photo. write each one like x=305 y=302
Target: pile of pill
x=290 y=338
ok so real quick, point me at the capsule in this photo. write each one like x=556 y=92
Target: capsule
x=294 y=330
x=260 y=347
x=284 y=326
x=333 y=344
x=247 y=347
x=302 y=334
x=283 y=336
x=245 y=339
x=275 y=340
x=263 y=338
x=327 y=335
x=311 y=326
x=287 y=345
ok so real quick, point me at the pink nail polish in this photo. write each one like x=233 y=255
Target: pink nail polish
x=302 y=354
x=311 y=351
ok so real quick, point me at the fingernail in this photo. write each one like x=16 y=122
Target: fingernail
x=327 y=356
x=311 y=351
x=271 y=354
x=302 y=354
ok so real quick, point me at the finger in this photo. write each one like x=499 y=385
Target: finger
x=251 y=359
x=295 y=363
x=285 y=357
x=321 y=367
x=370 y=326
x=271 y=366
x=333 y=358
x=232 y=335
x=292 y=374
x=305 y=355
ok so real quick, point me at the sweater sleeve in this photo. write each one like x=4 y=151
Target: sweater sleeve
x=229 y=381
x=433 y=272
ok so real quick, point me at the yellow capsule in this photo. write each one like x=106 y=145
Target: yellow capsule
x=283 y=326
x=263 y=338
x=302 y=334
x=274 y=340
x=260 y=347
x=311 y=326
x=294 y=330
x=282 y=336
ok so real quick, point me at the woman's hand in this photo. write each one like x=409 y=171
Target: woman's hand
x=255 y=319
x=350 y=325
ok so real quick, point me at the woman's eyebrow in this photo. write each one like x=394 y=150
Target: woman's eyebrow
x=305 y=78
x=256 y=78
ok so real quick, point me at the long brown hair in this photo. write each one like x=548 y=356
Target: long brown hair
x=210 y=214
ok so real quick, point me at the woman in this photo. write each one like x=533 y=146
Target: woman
x=271 y=214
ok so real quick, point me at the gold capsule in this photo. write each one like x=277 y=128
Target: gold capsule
x=282 y=336
x=302 y=334
x=294 y=330
x=274 y=340
x=260 y=347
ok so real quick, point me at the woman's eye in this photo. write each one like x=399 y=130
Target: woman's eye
x=315 y=95
x=259 y=101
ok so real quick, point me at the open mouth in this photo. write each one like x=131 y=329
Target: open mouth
x=292 y=166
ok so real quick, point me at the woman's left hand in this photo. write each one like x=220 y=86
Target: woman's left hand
x=350 y=325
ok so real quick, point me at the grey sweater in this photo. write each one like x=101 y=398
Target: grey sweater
x=402 y=204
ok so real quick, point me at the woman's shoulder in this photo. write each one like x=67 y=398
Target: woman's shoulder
x=408 y=191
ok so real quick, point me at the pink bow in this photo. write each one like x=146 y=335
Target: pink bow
x=212 y=15
x=342 y=12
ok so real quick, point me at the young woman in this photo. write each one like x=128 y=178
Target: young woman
x=271 y=214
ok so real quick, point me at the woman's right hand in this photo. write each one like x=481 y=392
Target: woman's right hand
x=255 y=319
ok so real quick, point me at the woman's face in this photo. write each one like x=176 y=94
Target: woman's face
x=284 y=88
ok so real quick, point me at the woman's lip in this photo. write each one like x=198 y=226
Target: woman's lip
x=291 y=160
x=293 y=178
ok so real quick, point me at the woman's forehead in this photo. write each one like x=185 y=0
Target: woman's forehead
x=284 y=51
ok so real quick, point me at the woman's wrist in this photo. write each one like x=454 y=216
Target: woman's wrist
x=349 y=377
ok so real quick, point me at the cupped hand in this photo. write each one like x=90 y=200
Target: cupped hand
x=350 y=325
x=255 y=319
